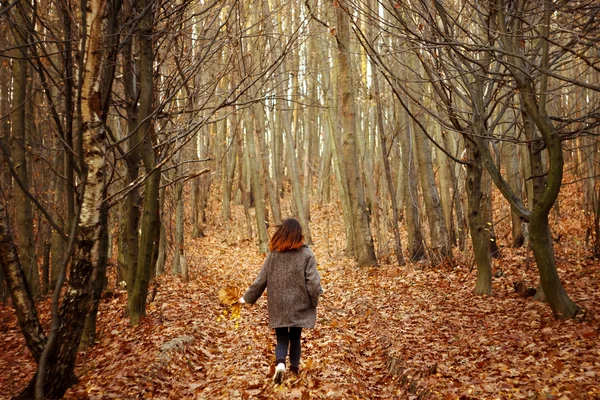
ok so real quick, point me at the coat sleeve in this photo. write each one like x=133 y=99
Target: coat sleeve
x=313 y=280
x=259 y=285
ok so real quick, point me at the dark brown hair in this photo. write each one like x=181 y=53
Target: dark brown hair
x=288 y=236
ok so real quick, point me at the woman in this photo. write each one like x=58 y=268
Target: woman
x=294 y=284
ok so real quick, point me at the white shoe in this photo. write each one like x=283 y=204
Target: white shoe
x=278 y=376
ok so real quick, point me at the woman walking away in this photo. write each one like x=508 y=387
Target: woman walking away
x=290 y=275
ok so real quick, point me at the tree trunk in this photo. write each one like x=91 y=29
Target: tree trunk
x=5 y=82
x=145 y=265
x=89 y=330
x=5 y=176
x=388 y=173
x=270 y=182
x=257 y=185
x=23 y=209
x=242 y=160
x=440 y=241
x=61 y=356
x=196 y=200
x=162 y=236
x=58 y=243
x=145 y=133
x=541 y=244
x=488 y=216
x=545 y=186
x=416 y=248
x=295 y=181
x=479 y=232
x=513 y=177
x=229 y=169
x=446 y=180
x=179 y=216
x=130 y=219
x=128 y=230
x=363 y=240
x=19 y=290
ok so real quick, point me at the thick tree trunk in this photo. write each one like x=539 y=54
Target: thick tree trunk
x=61 y=353
x=363 y=240
x=479 y=232
x=89 y=330
x=541 y=244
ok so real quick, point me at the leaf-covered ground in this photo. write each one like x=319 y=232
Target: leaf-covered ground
x=383 y=332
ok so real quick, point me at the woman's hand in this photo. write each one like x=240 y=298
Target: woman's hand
x=241 y=300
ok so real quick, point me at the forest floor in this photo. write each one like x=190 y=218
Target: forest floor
x=384 y=332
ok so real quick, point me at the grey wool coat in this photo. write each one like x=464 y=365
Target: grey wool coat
x=293 y=284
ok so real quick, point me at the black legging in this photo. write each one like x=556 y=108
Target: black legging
x=285 y=336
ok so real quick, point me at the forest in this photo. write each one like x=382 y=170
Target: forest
x=441 y=156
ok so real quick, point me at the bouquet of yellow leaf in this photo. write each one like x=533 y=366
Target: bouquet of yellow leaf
x=229 y=297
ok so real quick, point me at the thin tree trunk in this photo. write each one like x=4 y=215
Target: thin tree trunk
x=5 y=82
x=20 y=293
x=257 y=184
x=57 y=250
x=295 y=181
x=388 y=173
x=229 y=169
x=440 y=243
x=145 y=132
x=162 y=239
x=446 y=180
x=242 y=159
x=513 y=177
x=416 y=247
x=270 y=183
x=23 y=209
x=179 y=215
x=488 y=216
x=128 y=230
